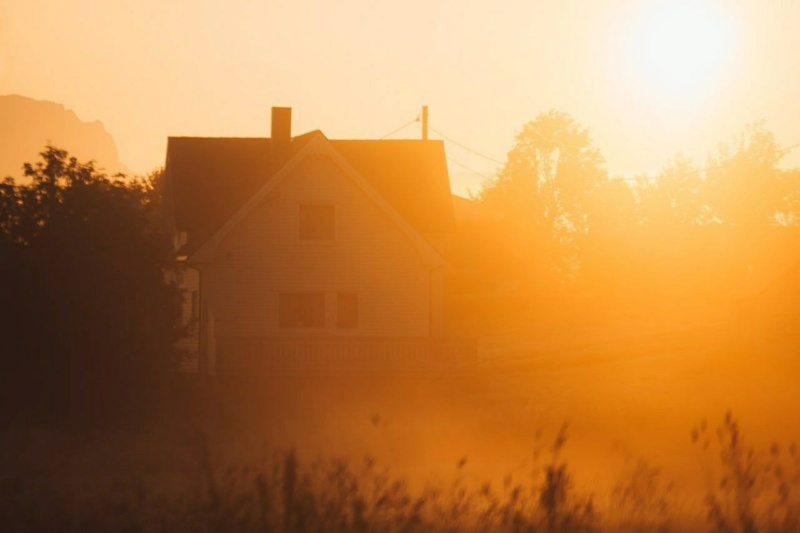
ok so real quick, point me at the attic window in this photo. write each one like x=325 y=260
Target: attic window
x=317 y=222
x=179 y=238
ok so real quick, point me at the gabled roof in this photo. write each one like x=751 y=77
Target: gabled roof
x=317 y=145
x=410 y=174
x=467 y=210
x=211 y=178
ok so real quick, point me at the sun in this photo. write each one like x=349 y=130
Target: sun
x=681 y=49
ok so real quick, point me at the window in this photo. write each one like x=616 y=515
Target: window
x=194 y=313
x=317 y=222
x=301 y=310
x=346 y=310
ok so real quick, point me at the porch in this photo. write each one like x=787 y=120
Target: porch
x=251 y=356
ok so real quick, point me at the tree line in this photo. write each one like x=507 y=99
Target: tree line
x=89 y=319
x=568 y=215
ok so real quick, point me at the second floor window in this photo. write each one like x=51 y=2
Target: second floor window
x=317 y=223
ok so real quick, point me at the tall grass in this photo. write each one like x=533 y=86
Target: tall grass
x=751 y=491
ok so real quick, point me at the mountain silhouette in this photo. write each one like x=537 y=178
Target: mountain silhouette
x=27 y=125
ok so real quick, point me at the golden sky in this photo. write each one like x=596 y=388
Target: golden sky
x=649 y=79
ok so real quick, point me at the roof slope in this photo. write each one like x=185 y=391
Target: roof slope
x=410 y=174
x=210 y=178
x=465 y=209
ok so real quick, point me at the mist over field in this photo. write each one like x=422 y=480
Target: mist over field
x=429 y=266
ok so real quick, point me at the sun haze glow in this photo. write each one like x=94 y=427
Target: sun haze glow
x=682 y=49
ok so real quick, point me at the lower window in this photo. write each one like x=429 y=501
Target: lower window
x=302 y=310
x=346 y=310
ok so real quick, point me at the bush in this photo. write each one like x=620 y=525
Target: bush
x=93 y=319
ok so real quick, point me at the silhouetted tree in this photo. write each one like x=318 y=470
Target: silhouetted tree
x=789 y=185
x=92 y=320
x=547 y=184
x=612 y=207
x=675 y=197
x=743 y=181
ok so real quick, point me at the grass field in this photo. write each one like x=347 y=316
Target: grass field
x=630 y=391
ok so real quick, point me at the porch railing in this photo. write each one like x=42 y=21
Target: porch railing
x=337 y=356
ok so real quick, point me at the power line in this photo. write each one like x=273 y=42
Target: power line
x=465 y=167
x=629 y=179
x=647 y=177
x=789 y=148
x=467 y=148
x=407 y=124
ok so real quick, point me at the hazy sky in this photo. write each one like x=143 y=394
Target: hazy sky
x=649 y=79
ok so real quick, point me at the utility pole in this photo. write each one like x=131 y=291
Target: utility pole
x=424 y=123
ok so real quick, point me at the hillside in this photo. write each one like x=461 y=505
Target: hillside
x=26 y=125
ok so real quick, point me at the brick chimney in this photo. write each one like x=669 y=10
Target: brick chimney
x=281 y=128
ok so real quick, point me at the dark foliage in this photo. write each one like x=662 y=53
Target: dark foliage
x=89 y=320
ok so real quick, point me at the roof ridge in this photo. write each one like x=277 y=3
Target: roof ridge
x=214 y=137
x=388 y=141
x=302 y=136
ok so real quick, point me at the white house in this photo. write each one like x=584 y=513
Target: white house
x=305 y=253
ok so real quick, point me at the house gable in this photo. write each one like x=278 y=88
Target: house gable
x=316 y=145
x=207 y=179
x=264 y=263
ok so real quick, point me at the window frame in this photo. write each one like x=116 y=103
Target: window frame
x=193 y=325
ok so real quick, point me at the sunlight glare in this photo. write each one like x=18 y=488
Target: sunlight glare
x=682 y=49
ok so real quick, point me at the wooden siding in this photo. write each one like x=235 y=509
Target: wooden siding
x=252 y=356
x=370 y=256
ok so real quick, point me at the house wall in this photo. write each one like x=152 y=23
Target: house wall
x=188 y=346
x=370 y=255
